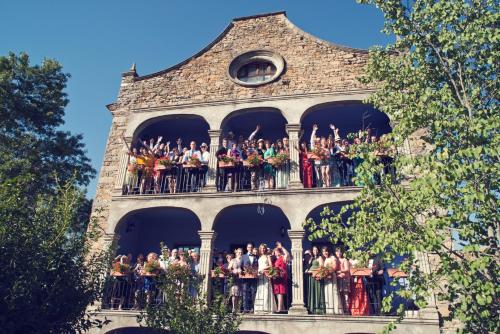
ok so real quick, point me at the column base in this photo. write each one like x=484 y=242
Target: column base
x=210 y=188
x=297 y=310
x=429 y=313
x=295 y=185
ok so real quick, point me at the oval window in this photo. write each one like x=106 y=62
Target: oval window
x=256 y=68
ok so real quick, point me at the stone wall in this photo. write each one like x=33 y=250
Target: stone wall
x=312 y=65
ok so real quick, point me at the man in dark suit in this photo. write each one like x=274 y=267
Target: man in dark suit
x=249 y=260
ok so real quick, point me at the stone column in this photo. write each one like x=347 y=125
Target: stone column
x=206 y=250
x=212 y=164
x=430 y=311
x=122 y=169
x=293 y=136
x=297 y=307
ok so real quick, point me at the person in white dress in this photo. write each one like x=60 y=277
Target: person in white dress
x=333 y=303
x=235 y=267
x=264 y=295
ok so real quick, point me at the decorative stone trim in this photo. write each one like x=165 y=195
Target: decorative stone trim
x=249 y=57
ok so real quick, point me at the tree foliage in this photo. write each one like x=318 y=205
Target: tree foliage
x=32 y=103
x=183 y=312
x=49 y=275
x=439 y=79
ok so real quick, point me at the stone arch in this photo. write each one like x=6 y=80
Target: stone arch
x=238 y=224
x=315 y=214
x=142 y=230
x=243 y=122
x=348 y=115
x=137 y=330
x=185 y=126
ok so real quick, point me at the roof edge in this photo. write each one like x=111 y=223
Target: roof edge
x=242 y=18
x=197 y=54
x=323 y=41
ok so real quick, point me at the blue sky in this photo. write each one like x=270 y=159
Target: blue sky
x=98 y=40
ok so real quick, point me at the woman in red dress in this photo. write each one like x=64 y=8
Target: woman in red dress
x=306 y=168
x=358 y=297
x=279 y=284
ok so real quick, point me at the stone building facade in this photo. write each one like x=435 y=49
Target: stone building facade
x=315 y=76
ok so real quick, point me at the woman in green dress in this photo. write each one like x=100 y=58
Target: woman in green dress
x=268 y=168
x=316 y=291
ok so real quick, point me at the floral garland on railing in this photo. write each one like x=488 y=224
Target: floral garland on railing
x=167 y=163
x=122 y=268
x=194 y=161
x=254 y=160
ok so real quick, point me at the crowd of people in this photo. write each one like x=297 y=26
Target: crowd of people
x=258 y=280
x=133 y=283
x=250 y=163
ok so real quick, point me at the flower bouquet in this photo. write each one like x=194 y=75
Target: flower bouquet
x=322 y=273
x=165 y=164
x=151 y=268
x=226 y=161
x=219 y=272
x=193 y=162
x=280 y=160
x=249 y=272
x=273 y=273
x=318 y=153
x=132 y=167
x=253 y=161
x=178 y=271
x=120 y=269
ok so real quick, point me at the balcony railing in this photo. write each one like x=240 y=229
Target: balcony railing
x=131 y=292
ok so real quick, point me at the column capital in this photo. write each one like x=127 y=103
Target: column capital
x=296 y=234
x=207 y=235
x=214 y=133
x=292 y=128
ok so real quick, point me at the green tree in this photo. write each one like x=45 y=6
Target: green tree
x=184 y=309
x=440 y=79
x=49 y=272
x=49 y=275
x=32 y=103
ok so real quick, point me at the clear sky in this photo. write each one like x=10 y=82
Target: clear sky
x=97 y=40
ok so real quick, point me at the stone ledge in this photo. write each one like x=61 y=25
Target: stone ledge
x=284 y=192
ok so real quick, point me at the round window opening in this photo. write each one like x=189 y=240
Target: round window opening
x=256 y=68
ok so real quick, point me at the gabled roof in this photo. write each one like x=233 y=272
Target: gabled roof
x=231 y=25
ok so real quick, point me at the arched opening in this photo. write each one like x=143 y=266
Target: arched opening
x=172 y=127
x=235 y=227
x=137 y=330
x=245 y=128
x=140 y=233
x=243 y=123
x=369 y=282
x=161 y=170
x=348 y=116
x=329 y=162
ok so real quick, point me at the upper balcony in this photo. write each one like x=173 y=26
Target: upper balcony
x=272 y=159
